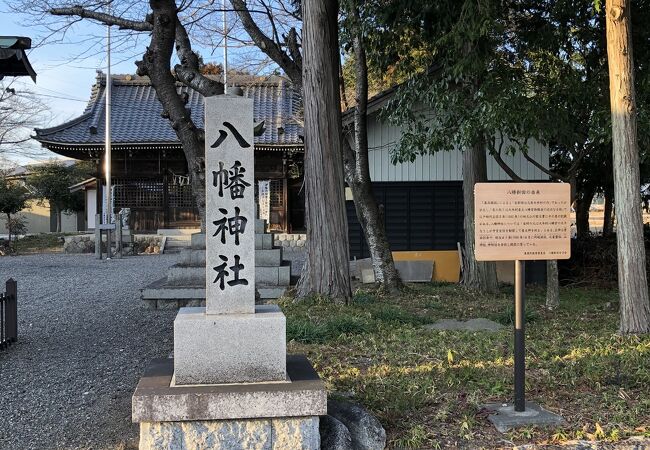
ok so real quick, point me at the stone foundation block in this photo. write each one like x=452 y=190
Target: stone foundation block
x=229 y=348
x=192 y=258
x=198 y=241
x=268 y=258
x=260 y=226
x=263 y=241
x=299 y=433
x=184 y=275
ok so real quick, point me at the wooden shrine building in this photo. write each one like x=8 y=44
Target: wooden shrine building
x=149 y=170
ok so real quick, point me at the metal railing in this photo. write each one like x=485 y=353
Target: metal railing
x=9 y=314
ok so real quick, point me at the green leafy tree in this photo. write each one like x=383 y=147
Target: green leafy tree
x=13 y=198
x=51 y=181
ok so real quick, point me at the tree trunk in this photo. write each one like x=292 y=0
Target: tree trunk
x=372 y=224
x=632 y=280
x=552 y=285
x=327 y=267
x=608 y=219
x=57 y=212
x=357 y=172
x=156 y=64
x=9 y=230
x=479 y=275
x=582 y=205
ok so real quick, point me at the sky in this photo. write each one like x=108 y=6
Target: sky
x=63 y=84
x=64 y=81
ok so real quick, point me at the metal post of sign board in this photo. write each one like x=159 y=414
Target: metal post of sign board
x=520 y=346
x=521 y=222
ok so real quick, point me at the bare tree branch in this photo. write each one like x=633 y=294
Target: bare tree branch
x=504 y=166
x=108 y=19
x=188 y=71
x=267 y=45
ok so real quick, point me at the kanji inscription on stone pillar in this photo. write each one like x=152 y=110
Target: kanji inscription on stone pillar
x=230 y=205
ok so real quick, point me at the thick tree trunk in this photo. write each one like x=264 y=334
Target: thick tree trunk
x=357 y=172
x=552 y=285
x=327 y=267
x=582 y=205
x=479 y=275
x=608 y=218
x=632 y=281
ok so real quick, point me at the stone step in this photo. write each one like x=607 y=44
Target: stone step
x=260 y=226
x=273 y=276
x=198 y=241
x=160 y=294
x=263 y=241
x=177 y=231
x=173 y=245
x=181 y=275
x=271 y=292
x=268 y=258
x=195 y=276
x=263 y=257
x=192 y=257
x=163 y=294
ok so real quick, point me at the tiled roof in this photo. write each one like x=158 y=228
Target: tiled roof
x=136 y=113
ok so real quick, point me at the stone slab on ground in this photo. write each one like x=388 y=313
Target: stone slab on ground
x=156 y=400
x=479 y=324
x=229 y=348
x=367 y=276
x=504 y=417
x=357 y=265
x=415 y=271
x=258 y=434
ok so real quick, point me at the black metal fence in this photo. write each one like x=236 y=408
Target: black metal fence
x=9 y=314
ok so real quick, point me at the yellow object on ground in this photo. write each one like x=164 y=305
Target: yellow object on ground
x=446 y=264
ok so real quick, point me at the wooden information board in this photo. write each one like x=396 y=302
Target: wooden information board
x=522 y=221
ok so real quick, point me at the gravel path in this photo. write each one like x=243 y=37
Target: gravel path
x=84 y=340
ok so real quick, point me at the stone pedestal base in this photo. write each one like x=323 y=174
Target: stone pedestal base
x=504 y=417
x=229 y=348
x=267 y=415
x=296 y=433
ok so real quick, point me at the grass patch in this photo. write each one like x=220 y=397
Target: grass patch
x=427 y=387
x=40 y=243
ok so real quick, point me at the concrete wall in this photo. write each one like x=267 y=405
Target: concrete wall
x=38 y=219
x=440 y=166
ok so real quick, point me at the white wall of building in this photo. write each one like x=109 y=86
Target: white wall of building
x=37 y=218
x=91 y=207
x=441 y=166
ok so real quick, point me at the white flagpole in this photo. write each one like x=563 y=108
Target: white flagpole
x=107 y=155
x=225 y=49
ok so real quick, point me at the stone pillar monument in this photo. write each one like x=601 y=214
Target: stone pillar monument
x=230 y=383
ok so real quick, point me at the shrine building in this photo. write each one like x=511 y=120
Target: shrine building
x=148 y=166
